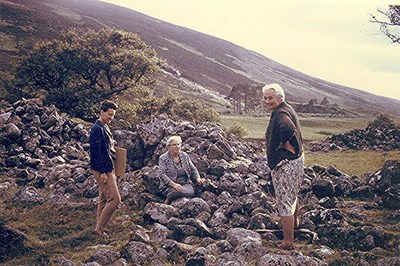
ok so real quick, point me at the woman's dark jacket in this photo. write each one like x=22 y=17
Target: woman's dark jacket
x=101 y=156
x=167 y=172
x=283 y=126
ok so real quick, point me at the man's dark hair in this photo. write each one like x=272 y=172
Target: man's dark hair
x=108 y=105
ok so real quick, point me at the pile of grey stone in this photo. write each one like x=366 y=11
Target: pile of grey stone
x=384 y=137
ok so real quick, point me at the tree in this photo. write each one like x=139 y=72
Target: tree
x=245 y=97
x=389 y=23
x=78 y=71
x=324 y=101
x=312 y=102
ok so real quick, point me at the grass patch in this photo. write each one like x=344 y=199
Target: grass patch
x=63 y=231
x=255 y=126
x=314 y=128
x=352 y=162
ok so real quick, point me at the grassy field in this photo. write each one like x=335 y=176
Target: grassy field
x=65 y=231
x=352 y=162
x=317 y=129
x=314 y=128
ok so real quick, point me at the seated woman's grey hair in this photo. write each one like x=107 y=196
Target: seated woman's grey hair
x=174 y=138
x=277 y=88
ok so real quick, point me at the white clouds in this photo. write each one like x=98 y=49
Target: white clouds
x=331 y=40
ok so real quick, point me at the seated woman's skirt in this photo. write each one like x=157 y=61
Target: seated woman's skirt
x=172 y=194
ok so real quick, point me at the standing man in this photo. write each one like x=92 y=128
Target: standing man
x=285 y=158
x=102 y=156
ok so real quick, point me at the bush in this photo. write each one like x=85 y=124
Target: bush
x=382 y=120
x=125 y=116
x=191 y=110
x=78 y=71
x=237 y=129
x=146 y=106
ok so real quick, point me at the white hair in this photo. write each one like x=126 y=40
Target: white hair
x=277 y=88
x=172 y=138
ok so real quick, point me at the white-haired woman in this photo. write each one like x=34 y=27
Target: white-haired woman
x=285 y=158
x=177 y=172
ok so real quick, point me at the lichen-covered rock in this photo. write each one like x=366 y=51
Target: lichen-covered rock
x=139 y=253
x=29 y=196
x=159 y=212
x=11 y=243
x=237 y=236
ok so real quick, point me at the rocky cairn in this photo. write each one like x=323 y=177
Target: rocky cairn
x=231 y=221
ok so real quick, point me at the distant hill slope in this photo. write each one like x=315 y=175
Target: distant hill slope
x=207 y=65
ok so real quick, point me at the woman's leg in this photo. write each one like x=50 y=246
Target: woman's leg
x=287 y=181
x=113 y=199
x=100 y=204
x=296 y=215
x=172 y=194
x=288 y=231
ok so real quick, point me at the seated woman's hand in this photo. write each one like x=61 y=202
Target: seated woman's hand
x=200 y=181
x=178 y=187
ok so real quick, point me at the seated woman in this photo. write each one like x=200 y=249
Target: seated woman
x=177 y=172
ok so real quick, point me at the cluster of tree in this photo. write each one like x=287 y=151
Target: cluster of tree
x=80 y=70
x=246 y=98
x=324 y=102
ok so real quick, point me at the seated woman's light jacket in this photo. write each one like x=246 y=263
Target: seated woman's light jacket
x=167 y=171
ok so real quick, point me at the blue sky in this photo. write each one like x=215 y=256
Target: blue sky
x=332 y=40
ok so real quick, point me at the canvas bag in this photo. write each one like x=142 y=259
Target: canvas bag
x=120 y=161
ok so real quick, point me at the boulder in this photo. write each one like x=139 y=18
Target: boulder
x=11 y=243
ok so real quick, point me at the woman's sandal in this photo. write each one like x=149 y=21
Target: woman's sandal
x=100 y=232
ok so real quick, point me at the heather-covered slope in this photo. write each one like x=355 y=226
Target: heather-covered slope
x=201 y=65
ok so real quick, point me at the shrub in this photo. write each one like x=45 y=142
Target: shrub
x=237 y=129
x=147 y=105
x=192 y=110
x=382 y=120
x=126 y=116
x=78 y=71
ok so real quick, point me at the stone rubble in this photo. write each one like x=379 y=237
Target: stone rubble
x=384 y=137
